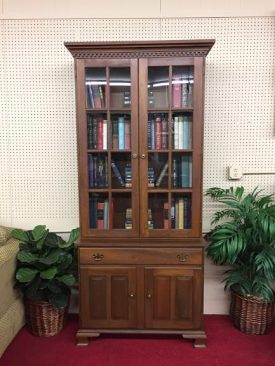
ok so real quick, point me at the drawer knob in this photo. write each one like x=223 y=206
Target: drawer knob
x=149 y=295
x=131 y=294
x=98 y=257
x=182 y=257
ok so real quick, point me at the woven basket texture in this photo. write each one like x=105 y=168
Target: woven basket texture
x=43 y=319
x=251 y=315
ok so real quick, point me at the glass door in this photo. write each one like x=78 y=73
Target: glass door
x=171 y=134
x=109 y=164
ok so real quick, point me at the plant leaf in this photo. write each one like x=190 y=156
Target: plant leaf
x=59 y=300
x=49 y=273
x=26 y=257
x=67 y=279
x=20 y=235
x=26 y=275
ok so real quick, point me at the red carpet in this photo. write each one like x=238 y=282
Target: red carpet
x=226 y=347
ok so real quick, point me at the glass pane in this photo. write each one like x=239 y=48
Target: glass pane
x=181 y=170
x=121 y=131
x=158 y=170
x=120 y=87
x=182 y=131
x=97 y=126
x=182 y=86
x=158 y=86
x=95 y=87
x=99 y=211
x=98 y=170
x=157 y=131
x=122 y=211
x=158 y=211
x=121 y=170
x=181 y=211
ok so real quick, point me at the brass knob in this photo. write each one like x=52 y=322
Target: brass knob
x=182 y=257
x=134 y=155
x=98 y=257
x=143 y=156
x=131 y=294
x=149 y=296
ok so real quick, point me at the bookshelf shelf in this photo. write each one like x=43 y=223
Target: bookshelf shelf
x=140 y=133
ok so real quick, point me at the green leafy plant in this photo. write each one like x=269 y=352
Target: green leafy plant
x=46 y=265
x=243 y=237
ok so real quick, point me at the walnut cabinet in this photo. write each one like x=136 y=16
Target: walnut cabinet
x=140 y=133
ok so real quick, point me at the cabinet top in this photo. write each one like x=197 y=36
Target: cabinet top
x=140 y=49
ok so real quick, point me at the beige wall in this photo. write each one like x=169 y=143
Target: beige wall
x=25 y=9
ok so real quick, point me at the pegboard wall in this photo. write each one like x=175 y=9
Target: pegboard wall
x=38 y=131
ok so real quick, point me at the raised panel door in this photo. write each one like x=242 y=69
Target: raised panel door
x=108 y=297
x=173 y=298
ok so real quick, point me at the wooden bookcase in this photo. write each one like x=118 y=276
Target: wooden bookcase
x=140 y=134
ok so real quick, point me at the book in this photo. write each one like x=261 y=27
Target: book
x=94 y=139
x=100 y=133
x=187 y=213
x=180 y=132
x=185 y=171
x=90 y=97
x=93 y=212
x=165 y=215
x=186 y=132
x=149 y=135
x=174 y=174
x=115 y=134
x=158 y=133
x=176 y=132
x=128 y=175
x=106 y=215
x=150 y=220
x=128 y=219
x=121 y=133
x=162 y=174
x=164 y=133
x=151 y=177
x=100 y=215
x=180 y=213
x=105 y=134
x=127 y=133
x=176 y=90
x=117 y=174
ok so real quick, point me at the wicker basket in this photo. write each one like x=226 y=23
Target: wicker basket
x=251 y=315
x=43 y=319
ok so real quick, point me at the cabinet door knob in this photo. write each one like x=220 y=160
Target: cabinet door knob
x=131 y=294
x=149 y=296
x=98 y=257
x=134 y=155
x=143 y=156
x=182 y=257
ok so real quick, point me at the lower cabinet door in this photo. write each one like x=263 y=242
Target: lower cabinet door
x=173 y=298
x=108 y=297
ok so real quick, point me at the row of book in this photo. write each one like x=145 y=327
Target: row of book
x=182 y=137
x=95 y=96
x=121 y=133
x=157 y=133
x=180 y=215
x=182 y=93
x=98 y=171
x=98 y=132
x=99 y=213
x=182 y=172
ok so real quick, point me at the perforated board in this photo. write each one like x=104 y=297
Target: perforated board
x=38 y=134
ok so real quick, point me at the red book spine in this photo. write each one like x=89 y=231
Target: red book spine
x=165 y=215
x=100 y=133
x=158 y=133
x=97 y=100
x=127 y=136
x=100 y=215
x=176 y=93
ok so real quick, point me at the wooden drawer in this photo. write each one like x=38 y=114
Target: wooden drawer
x=140 y=256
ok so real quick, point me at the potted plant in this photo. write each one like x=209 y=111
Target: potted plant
x=45 y=272
x=243 y=238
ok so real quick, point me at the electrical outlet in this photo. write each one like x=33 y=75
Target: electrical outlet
x=235 y=172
